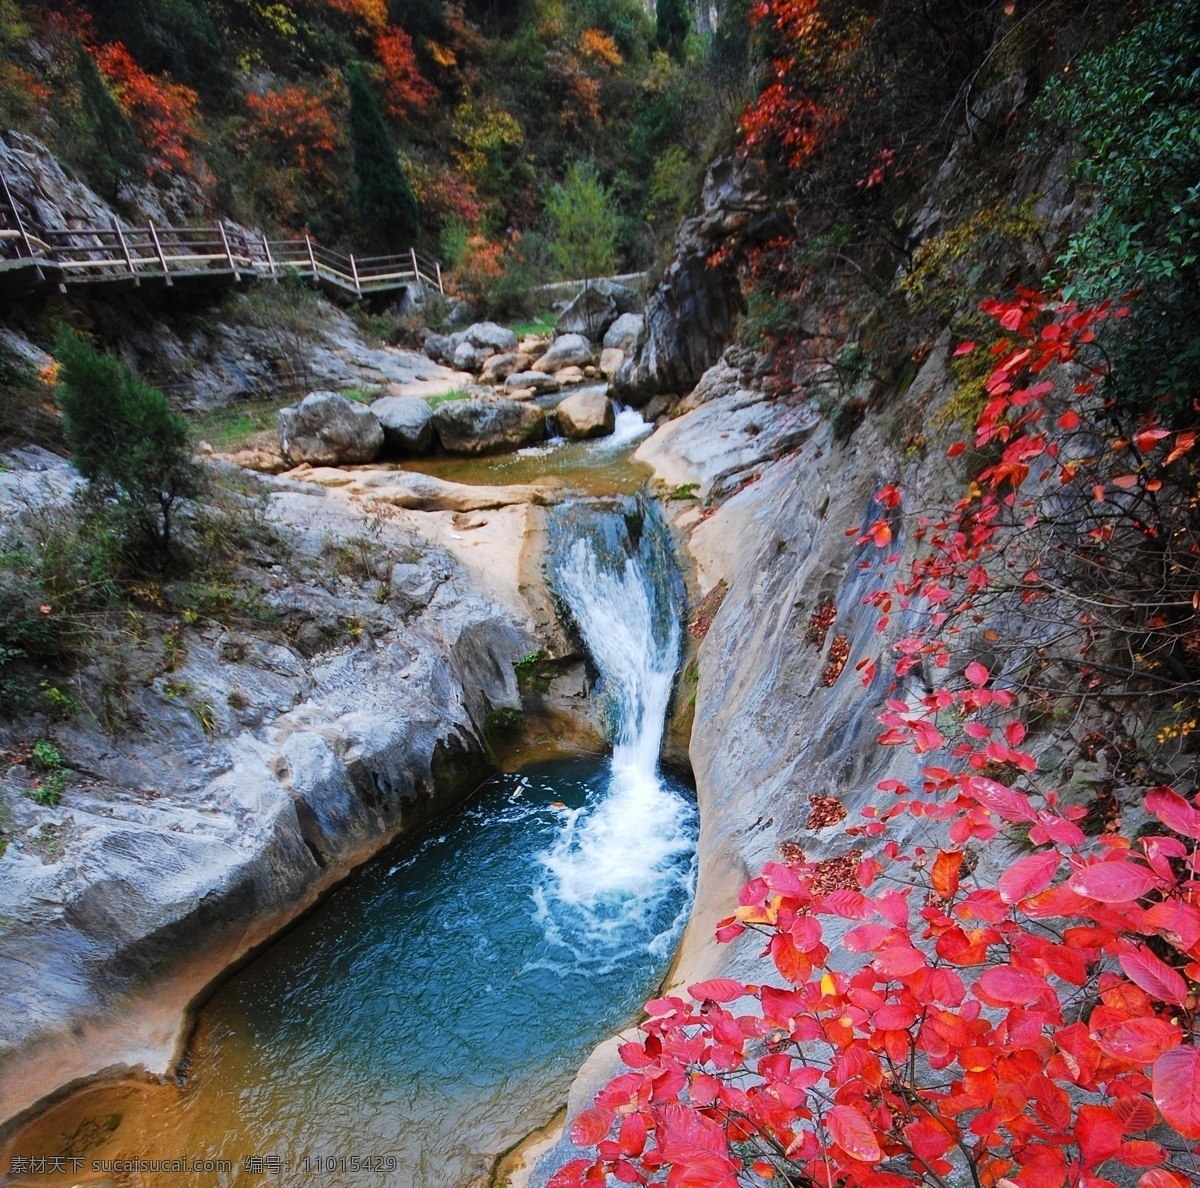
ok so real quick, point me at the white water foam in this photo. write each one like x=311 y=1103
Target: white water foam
x=618 y=860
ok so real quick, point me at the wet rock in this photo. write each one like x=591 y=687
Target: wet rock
x=610 y=361
x=488 y=426
x=586 y=414
x=571 y=350
x=623 y=334
x=535 y=381
x=488 y=336
x=407 y=423
x=326 y=429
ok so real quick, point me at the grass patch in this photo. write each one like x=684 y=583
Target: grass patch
x=539 y=325
x=446 y=397
x=239 y=427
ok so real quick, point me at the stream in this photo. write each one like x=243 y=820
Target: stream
x=435 y=1007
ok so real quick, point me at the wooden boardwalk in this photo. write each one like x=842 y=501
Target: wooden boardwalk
x=34 y=259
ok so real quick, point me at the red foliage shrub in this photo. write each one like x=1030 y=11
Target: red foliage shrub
x=297 y=122
x=406 y=90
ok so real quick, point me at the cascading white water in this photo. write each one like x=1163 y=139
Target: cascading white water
x=623 y=856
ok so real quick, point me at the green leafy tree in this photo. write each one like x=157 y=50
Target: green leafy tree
x=585 y=223
x=1135 y=109
x=110 y=151
x=385 y=199
x=125 y=440
x=673 y=23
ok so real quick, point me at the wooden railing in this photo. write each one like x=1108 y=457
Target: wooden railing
x=167 y=255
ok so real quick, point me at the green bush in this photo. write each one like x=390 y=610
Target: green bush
x=585 y=224
x=1135 y=110
x=125 y=440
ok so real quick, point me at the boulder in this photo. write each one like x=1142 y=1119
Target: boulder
x=623 y=334
x=586 y=414
x=590 y=314
x=440 y=348
x=571 y=350
x=537 y=381
x=488 y=426
x=407 y=423
x=610 y=360
x=468 y=357
x=568 y=376
x=500 y=367
x=326 y=429
x=496 y=340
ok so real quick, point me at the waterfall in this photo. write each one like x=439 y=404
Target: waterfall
x=629 y=851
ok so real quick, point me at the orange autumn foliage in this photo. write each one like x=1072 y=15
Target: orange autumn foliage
x=598 y=46
x=370 y=13
x=163 y=113
x=297 y=122
x=406 y=89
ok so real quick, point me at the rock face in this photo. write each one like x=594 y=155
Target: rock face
x=570 y=350
x=689 y=317
x=599 y=304
x=586 y=414
x=326 y=429
x=623 y=334
x=488 y=426
x=407 y=423
x=610 y=361
x=180 y=844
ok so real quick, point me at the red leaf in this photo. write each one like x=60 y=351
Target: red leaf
x=1135 y=1114
x=1114 y=882
x=1177 y=1089
x=685 y=1136
x=1173 y=811
x=1098 y=1134
x=632 y=1137
x=1069 y=420
x=717 y=989
x=977 y=674
x=853 y=1133
x=1161 y=1178
x=945 y=872
x=957 y=448
x=591 y=1126
x=1125 y=481
x=1006 y=986
x=1028 y=876
x=963 y=348
x=570 y=1176
x=1156 y=977
x=1139 y=1041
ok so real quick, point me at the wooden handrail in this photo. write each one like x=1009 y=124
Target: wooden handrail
x=90 y=254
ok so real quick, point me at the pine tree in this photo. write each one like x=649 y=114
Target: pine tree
x=674 y=23
x=385 y=199
x=585 y=224
x=109 y=152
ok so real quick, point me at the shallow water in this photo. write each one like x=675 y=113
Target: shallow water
x=435 y=1008
x=604 y=466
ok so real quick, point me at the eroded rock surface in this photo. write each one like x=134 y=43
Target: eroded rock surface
x=326 y=429
x=488 y=426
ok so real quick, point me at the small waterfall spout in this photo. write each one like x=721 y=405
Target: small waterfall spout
x=627 y=852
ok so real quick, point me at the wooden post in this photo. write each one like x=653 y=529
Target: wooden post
x=137 y=280
x=416 y=268
x=270 y=258
x=312 y=260
x=158 y=249
x=237 y=276
x=16 y=214
x=441 y=288
x=354 y=270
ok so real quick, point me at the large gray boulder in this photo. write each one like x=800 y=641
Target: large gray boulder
x=500 y=367
x=468 y=357
x=326 y=429
x=586 y=414
x=539 y=381
x=489 y=337
x=590 y=314
x=571 y=350
x=623 y=334
x=407 y=423
x=488 y=426
x=440 y=348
